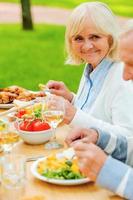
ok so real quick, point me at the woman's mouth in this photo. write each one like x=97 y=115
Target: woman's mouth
x=90 y=52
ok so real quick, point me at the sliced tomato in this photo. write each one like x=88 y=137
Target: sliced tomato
x=20 y=113
x=35 y=125
x=39 y=125
x=26 y=125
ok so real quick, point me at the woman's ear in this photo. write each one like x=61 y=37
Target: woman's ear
x=110 y=40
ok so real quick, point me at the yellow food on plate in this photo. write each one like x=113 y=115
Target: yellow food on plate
x=59 y=167
x=42 y=86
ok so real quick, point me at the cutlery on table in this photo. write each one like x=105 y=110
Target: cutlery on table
x=19 y=105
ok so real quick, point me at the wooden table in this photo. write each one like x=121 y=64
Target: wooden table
x=34 y=186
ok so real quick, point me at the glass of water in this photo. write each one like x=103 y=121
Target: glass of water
x=13 y=176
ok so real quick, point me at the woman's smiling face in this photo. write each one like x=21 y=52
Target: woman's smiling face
x=89 y=45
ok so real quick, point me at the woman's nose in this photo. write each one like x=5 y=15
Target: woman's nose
x=87 y=45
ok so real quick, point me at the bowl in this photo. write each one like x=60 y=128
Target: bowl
x=35 y=137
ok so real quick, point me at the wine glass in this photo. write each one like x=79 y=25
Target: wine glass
x=53 y=114
x=8 y=137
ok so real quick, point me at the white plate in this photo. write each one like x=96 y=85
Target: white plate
x=9 y=105
x=55 y=181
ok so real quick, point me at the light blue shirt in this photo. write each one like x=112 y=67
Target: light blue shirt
x=111 y=177
x=93 y=82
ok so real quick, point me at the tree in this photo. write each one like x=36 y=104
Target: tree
x=26 y=15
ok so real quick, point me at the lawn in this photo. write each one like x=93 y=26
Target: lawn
x=120 y=7
x=30 y=58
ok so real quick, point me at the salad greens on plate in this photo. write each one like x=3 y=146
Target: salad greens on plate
x=59 y=168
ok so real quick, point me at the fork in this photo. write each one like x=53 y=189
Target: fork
x=30 y=159
x=22 y=105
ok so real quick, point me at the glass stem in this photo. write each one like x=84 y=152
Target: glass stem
x=53 y=138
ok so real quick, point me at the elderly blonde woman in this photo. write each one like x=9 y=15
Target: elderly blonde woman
x=105 y=170
x=103 y=99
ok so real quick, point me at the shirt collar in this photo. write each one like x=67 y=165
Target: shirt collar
x=104 y=65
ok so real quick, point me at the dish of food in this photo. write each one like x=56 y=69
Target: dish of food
x=31 y=125
x=9 y=94
x=8 y=105
x=31 y=119
x=58 y=169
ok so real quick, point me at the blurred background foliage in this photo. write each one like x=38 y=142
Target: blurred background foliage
x=33 y=57
x=120 y=7
x=28 y=58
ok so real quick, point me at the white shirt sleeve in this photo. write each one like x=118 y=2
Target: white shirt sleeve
x=84 y=120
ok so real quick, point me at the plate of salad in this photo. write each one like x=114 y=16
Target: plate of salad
x=58 y=169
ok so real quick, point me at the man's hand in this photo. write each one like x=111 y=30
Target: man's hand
x=91 y=159
x=84 y=135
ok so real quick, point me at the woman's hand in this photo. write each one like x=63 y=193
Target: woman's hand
x=91 y=159
x=60 y=89
x=69 y=109
x=82 y=134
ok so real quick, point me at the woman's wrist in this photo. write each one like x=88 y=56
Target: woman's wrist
x=70 y=97
x=70 y=113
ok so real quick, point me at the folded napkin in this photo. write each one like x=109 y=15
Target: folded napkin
x=68 y=154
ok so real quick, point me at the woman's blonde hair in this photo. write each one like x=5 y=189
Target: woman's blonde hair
x=104 y=21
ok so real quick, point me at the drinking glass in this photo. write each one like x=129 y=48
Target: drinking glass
x=3 y=126
x=13 y=176
x=53 y=114
x=8 y=137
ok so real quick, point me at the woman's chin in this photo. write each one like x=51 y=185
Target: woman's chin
x=91 y=62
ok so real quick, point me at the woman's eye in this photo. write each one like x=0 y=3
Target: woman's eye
x=78 y=38
x=95 y=37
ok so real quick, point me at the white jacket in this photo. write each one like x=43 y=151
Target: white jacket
x=113 y=109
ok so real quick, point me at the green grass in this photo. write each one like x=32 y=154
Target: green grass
x=120 y=7
x=29 y=58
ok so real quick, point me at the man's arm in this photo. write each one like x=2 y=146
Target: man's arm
x=117 y=146
x=105 y=170
x=117 y=177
